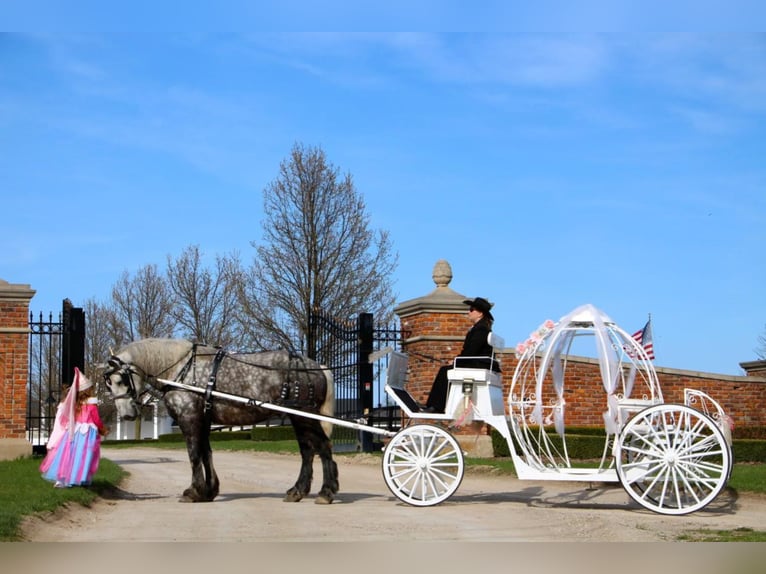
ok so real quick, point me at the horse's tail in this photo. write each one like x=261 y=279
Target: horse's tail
x=328 y=406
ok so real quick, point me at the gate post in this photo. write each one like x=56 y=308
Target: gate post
x=365 y=373
x=14 y=368
x=436 y=324
x=73 y=342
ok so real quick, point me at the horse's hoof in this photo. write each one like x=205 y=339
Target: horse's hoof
x=191 y=495
x=293 y=496
x=323 y=500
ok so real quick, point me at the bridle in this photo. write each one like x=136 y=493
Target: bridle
x=126 y=372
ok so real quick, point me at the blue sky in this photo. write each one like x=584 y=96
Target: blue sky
x=550 y=170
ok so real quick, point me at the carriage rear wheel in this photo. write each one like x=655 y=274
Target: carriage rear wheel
x=672 y=459
x=423 y=465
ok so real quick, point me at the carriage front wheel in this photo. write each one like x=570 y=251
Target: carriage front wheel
x=423 y=465
x=672 y=459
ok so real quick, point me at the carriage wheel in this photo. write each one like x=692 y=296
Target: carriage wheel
x=423 y=465
x=672 y=459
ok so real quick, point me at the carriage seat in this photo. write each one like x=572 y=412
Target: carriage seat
x=481 y=386
x=489 y=375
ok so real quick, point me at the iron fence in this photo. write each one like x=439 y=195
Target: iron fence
x=56 y=346
x=346 y=347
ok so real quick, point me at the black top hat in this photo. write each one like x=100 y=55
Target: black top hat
x=481 y=304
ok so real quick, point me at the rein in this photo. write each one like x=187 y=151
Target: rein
x=128 y=370
x=292 y=355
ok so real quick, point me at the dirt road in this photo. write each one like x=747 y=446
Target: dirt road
x=486 y=507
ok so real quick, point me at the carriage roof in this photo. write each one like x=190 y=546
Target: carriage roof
x=624 y=367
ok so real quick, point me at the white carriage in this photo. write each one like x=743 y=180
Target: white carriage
x=670 y=458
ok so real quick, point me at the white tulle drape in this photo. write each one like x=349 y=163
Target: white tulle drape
x=559 y=343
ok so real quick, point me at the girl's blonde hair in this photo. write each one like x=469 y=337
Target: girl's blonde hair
x=83 y=396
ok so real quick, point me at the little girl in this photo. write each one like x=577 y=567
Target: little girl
x=74 y=447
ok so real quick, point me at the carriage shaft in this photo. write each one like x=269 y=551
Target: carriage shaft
x=279 y=408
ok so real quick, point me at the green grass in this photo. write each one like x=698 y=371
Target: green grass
x=736 y=535
x=24 y=492
x=748 y=477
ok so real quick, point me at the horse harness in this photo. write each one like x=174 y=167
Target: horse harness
x=295 y=394
x=220 y=354
x=127 y=370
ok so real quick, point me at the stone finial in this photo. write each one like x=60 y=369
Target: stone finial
x=442 y=274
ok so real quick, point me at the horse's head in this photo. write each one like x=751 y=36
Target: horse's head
x=126 y=383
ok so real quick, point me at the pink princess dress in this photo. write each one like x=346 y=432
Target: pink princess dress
x=74 y=448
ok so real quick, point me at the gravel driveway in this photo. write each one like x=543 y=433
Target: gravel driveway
x=486 y=507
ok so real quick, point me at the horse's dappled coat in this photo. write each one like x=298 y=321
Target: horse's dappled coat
x=268 y=376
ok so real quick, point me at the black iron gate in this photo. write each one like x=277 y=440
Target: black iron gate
x=345 y=347
x=55 y=349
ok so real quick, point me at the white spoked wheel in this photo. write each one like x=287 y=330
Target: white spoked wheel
x=423 y=465
x=672 y=459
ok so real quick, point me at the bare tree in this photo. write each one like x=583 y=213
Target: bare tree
x=206 y=300
x=144 y=304
x=317 y=252
x=104 y=333
x=760 y=350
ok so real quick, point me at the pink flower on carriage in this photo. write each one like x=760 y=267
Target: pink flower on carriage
x=549 y=324
x=521 y=348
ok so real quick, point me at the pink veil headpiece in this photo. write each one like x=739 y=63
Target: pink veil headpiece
x=69 y=410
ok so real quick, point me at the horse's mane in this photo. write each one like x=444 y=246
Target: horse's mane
x=156 y=355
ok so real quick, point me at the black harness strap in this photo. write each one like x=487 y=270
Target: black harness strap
x=294 y=392
x=181 y=376
x=185 y=369
x=211 y=381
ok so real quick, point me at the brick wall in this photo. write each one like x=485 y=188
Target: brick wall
x=14 y=358
x=742 y=397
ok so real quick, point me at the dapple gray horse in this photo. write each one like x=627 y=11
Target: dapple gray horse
x=272 y=376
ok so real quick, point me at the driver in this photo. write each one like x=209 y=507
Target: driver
x=475 y=346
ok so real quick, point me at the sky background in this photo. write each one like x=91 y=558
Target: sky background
x=550 y=170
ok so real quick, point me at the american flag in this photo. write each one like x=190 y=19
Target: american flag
x=644 y=338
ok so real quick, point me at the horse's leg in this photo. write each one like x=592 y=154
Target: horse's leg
x=302 y=486
x=330 y=483
x=323 y=445
x=312 y=440
x=196 y=491
x=206 y=454
x=187 y=410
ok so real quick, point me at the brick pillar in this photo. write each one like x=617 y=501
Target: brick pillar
x=435 y=325
x=14 y=366
x=755 y=368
